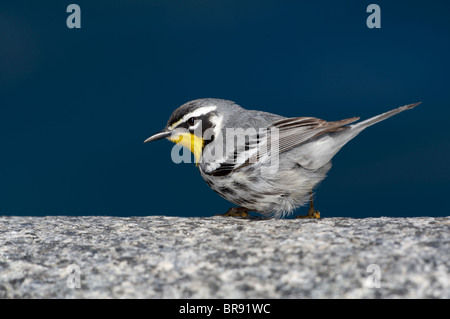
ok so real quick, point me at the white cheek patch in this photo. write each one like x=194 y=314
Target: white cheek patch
x=217 y=122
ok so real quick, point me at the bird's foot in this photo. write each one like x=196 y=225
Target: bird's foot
x=236 y=212
x=312 y=213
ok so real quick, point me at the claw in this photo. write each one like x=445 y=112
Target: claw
x=236 y=212
x=312 y=213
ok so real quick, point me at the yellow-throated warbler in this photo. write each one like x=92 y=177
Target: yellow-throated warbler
x=260 y=161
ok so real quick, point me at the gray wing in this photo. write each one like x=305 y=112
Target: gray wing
x=285 y=134
x=279 y=137
x=298 y=130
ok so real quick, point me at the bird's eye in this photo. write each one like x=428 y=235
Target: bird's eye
x=191 y=121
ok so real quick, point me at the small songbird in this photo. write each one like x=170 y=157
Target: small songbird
x=260 y=161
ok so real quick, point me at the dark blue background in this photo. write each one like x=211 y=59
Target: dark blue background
x=76 y=104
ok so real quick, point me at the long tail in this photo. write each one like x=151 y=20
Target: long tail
x=331 y=144
x=358 y=127
x=343 y=137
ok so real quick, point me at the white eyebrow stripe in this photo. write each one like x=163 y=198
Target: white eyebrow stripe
x=174 y=125
x=196 y=113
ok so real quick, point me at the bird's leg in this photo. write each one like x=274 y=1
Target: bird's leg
x=312 y=213
x=237 y=212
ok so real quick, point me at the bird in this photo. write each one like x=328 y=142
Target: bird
x=260 y=161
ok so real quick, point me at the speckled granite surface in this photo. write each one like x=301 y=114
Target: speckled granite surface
x=217 y=257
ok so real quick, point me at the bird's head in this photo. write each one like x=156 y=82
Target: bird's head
x=197 y=123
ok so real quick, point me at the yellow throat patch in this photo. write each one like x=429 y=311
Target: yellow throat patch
x=192 y=142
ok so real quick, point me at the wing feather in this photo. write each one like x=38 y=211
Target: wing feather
x=295 y=131
x=292 y=132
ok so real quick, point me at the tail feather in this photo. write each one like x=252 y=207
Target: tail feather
x=358 y=127
x=331 y=144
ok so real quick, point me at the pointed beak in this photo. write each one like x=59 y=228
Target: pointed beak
x=158 y=136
